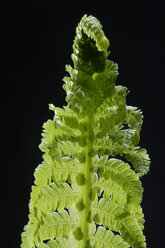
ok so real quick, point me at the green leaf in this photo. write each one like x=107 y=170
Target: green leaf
x=120 y=220
x=106 y=239
x=54 y=225
x=117 y=181
x=139 y=159
x=83 y=193
x=134 y=118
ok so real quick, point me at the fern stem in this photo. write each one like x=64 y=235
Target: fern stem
x=83 y=223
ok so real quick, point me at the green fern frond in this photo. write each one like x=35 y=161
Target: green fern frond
x=117 y=180
x=139 y=159
x=118 y=219
x=106 y=239
x=83 y=194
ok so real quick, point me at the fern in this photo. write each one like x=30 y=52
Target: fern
x=85 y=195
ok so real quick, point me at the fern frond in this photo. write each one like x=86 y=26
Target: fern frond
x=139 y=159
x=134 y=118
x=106 y=239
x=117 y=180
x=120 y=220
x=83 y=194
x=51 y=225
x=112 y=111
x=56 y=196
x=55 y=225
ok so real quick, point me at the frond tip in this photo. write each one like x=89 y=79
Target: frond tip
x=83 y=195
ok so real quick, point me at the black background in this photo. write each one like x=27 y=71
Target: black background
x=37 y=40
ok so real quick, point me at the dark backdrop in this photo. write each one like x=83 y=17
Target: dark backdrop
x=36 y=44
